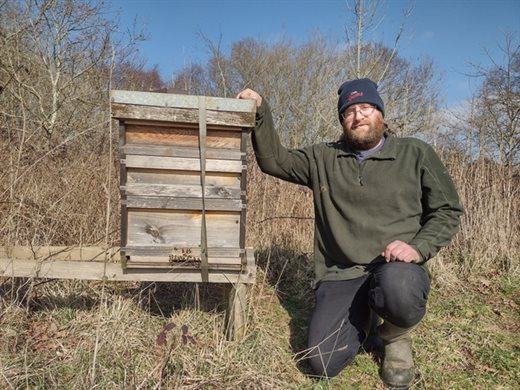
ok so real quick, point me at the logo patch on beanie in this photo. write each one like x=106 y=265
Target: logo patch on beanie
x=354 y=95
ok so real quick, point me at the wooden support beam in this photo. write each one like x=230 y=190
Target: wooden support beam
x=166 y=250
x=236 y=316
x=86 y=264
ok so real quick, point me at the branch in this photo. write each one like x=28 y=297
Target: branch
x=406 y=15
x=283 y=217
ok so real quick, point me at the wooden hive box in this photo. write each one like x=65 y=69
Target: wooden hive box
x=183 y=183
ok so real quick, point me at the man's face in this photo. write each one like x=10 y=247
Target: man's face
x=363 y=126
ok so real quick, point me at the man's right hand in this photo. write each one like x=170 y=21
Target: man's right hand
x=250 y=94
x=400 y=251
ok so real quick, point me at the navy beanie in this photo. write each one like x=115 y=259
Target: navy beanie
x=359 y=91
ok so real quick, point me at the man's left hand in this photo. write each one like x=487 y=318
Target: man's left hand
x=400 y=251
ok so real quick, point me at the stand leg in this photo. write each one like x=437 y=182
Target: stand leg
x=237 y=311
x=196 y=293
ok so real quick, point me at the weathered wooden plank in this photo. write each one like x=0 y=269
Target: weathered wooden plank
x=181 y=163
x=181 y=151
x=182 y=228
x=170 y=203
x=181 y=101
x=166 y=267
x=166 y=250
x=181 y=191
x=86 y=263
x=181 y=136
x=185 y=126
x=87 y=253
x=154 y=262
x=184 y=258
x=165 y=261
x=182 y=115
x=189 y=178
x=59 y=269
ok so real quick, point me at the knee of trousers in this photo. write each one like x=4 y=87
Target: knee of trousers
x=329 y=353
x=327 y=365
x=399 y=292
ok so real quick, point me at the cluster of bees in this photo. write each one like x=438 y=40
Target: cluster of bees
x=185 y=256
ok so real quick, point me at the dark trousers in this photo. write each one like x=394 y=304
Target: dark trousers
x=395 y=291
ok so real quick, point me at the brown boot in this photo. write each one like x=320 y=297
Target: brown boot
x=397 y=370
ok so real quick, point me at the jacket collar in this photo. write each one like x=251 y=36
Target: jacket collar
x=387 y=152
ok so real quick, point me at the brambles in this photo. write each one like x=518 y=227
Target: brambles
x=162 y=337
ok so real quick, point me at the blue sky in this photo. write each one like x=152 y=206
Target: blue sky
x=453 y=33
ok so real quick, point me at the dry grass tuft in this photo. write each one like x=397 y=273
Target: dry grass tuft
x=149 y=336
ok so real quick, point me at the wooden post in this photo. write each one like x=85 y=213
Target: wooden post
x=196 y=293
x=236 y=322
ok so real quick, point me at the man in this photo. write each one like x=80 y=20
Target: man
x=383 y=206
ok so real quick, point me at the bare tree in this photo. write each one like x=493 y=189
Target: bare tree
x=134 y=76
x=496 y=107
x=409 y=89
x=55 y=50
x=301 y=81
x=301 y=84
x=191 y=80
x=55 y=61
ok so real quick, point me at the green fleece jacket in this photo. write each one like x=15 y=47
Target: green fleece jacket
x=402 y=192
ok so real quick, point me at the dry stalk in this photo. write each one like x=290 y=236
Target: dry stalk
x=107 y=224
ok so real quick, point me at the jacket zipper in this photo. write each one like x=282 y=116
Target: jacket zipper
x=361 y=165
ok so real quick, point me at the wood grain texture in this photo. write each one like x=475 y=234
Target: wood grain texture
x=166 y=250
x=182 y=191
x=181 y=101
x=189 y=204
x=182 y=115
x=178 y=135
x=155 y=261
x=87 y=253
x=187 y=178
x=181 y=163
x=181 y=151
x=89 y=268
x=236 y=319
x=192 y=126
x=113 y=272
x=182 y=228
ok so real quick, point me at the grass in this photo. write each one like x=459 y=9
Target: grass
x=87 y=335
x=82 y=335
x=471 y=333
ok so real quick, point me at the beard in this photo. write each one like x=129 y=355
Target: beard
x=365 y=140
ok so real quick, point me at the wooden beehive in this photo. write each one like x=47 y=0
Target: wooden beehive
x=183 y=183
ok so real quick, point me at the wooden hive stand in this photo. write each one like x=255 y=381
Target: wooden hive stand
x=183 y=201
